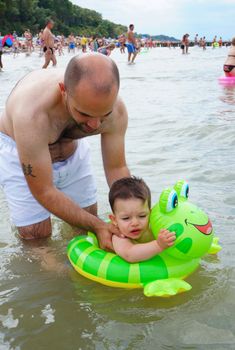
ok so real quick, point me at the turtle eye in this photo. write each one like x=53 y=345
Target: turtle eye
x=172 y=201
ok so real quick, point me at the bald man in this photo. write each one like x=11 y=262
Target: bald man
x=44 y=155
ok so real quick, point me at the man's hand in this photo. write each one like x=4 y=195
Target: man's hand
x=104 y=235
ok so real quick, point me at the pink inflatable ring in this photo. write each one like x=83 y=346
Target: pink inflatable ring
x=227 y=81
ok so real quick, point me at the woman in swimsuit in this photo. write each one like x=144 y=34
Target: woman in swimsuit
x=229 y=65
x=185 y=44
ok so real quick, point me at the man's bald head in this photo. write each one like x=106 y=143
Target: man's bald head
x=98 y=70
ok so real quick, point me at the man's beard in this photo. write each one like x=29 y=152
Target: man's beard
x=81 y=126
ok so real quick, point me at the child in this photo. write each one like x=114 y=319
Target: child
x=130 y=200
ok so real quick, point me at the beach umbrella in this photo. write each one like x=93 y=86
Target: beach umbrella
x=7 y=40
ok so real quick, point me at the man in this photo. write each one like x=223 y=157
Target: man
x=122 y=42
x=131 y=45
x=48 y=44
x=71 y=43
x=44 y=157
x=28 y=41
x=83 y=43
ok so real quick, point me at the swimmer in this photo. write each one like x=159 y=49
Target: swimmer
x=48 y=42
x=220 y=42
x=214 y=42
x=122 y=42
x=28 y=41
x=185 y=44
x=15 y=48
x=229 y=65
x=40 y=42
x=131 y=45
x=71 y=41
x=203 y=43
x=83 y=43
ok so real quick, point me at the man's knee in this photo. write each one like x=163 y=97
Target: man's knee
x=39 y=230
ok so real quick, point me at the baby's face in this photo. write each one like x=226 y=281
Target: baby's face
x=131 y=216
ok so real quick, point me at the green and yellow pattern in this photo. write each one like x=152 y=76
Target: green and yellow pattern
x=162 y=275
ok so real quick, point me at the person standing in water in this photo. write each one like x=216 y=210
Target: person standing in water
x=185 y=44
x=44 y=153
x=48 y=42
x=229 y=65
x=131 y=45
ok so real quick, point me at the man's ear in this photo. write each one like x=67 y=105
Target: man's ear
x=113 y=219
x=62 y=88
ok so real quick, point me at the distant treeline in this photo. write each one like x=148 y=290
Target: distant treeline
x=160 y=37
x=19 y=15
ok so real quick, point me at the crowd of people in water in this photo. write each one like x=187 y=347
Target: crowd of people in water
x=50 y=45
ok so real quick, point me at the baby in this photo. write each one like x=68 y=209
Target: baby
x=130 y=201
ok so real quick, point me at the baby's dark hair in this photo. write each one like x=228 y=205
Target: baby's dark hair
x=129 y=187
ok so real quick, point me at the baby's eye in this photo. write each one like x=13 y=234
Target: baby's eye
x=143 y=216
x=125 y=219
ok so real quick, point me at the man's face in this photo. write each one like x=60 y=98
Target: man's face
x=89 y=109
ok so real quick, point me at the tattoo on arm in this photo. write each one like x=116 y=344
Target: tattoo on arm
x=28 y=170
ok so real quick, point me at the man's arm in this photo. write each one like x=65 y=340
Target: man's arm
x=113 y=146
x=32 y=144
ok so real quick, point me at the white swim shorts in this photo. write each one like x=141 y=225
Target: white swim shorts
x=73 y=177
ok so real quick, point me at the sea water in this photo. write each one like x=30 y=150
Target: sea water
x=181 y=126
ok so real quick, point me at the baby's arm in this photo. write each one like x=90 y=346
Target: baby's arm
x=142 y=251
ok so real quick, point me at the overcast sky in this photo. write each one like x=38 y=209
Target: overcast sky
x=170 y=17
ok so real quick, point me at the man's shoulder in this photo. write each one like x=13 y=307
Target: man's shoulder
x=119 y=109
x=117 y=121
x=29 y=93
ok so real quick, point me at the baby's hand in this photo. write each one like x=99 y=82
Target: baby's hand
x=165 y=239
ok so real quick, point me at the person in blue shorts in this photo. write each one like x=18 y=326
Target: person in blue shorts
x=131 y=45
x=71 y=41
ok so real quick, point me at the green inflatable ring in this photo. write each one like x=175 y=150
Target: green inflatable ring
x=163 y=274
